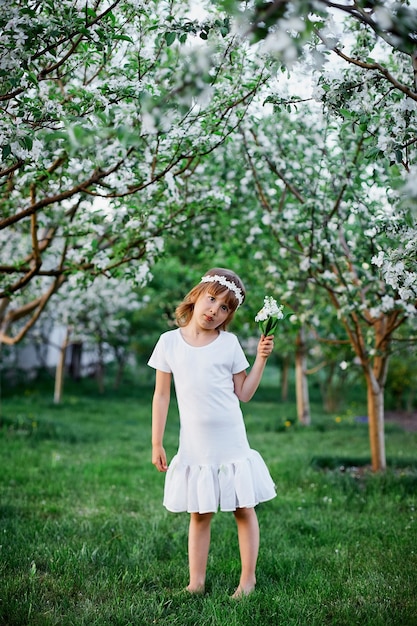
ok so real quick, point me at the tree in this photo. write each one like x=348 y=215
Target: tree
x=331 y=220
x=106 y=111
x=321 y=215
x=288 y=26
x=378 y=38
x=101 y=317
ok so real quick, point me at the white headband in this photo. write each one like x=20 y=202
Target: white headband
x=227 y=283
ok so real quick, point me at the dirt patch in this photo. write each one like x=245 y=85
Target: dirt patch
x=407 y=420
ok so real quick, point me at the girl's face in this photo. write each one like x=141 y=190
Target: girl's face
x=211 y=311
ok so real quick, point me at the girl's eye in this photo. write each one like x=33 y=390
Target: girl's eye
x=224 y=307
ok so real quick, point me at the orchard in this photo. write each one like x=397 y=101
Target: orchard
x=277 y=137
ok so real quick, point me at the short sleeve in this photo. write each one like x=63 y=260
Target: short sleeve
x=240 y=361
x=158 y=359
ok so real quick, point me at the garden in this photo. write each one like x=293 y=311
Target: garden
x=85 y=538
x=142 y=143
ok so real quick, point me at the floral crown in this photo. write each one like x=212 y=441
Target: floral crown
x=227 y=283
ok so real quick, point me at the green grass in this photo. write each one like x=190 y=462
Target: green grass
x=84 y=538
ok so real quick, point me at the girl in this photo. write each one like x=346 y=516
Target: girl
x=214 y=466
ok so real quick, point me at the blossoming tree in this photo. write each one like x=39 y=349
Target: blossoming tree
x=107 y=108
x=384 y=55
x=330 y=189
x=109 y=111
x=287 y=26
x=333 y=217
x=98 y=317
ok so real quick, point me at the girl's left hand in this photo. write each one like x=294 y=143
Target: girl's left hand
x=265 y=346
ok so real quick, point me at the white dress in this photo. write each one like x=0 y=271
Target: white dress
x=214 y=466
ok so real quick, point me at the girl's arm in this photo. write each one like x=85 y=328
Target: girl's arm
x=160 y=404
x=247 y=384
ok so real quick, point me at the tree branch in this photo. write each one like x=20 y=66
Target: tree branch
x=379 y=68
x=37 y=306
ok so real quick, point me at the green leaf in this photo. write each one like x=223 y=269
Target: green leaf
x=5 y=151
x=373 y=153
x=55 y=135
x=126 y=38
x=346 y=113
x=32 y=77
x=26 y=142
x=268 y=326
x=170 y=38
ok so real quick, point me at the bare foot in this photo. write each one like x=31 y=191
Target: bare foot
x=195 y=590
x=242 y=592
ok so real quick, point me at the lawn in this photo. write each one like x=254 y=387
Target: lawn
x=84 y=538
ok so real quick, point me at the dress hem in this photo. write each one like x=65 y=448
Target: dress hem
x=219 y=510
x=243 y=483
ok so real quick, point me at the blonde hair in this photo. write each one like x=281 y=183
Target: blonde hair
x=184 y=311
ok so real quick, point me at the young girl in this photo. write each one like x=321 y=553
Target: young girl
x=214 y=466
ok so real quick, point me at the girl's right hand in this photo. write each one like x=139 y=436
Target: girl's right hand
x=265 y=346
x=159 y=458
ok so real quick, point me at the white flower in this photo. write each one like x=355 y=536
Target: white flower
x=411 y=184
x=261 y=316
x=270 y=309
x=269 y=315
x=375 y=312
x=405 y=294
x=378 y=260
x=387 y=303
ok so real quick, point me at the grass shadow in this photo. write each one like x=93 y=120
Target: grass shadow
x=33 y=429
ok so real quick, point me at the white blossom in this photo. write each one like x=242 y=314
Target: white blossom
x=406 y=293
x=387 y=303
x=379 y=259
x=269 y=316
x=410 y=187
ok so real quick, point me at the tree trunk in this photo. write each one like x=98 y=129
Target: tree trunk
x=76 y=360
x=121 y=356
x=301 y=384
x=375 y=395
x=1 y=379
x=285 y=370
x=119 y=373
x=100 y=368
x=60 y=368
x=330 y=390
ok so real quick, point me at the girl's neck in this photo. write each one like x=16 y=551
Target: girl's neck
x=196 y=336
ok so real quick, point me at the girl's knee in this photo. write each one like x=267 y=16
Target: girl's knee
x=201 y=518
x=245 y=513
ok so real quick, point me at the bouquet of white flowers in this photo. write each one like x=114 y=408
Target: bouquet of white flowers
x=269 y=315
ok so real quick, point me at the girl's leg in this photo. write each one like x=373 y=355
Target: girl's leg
x=248 y=534
x=198 y=548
